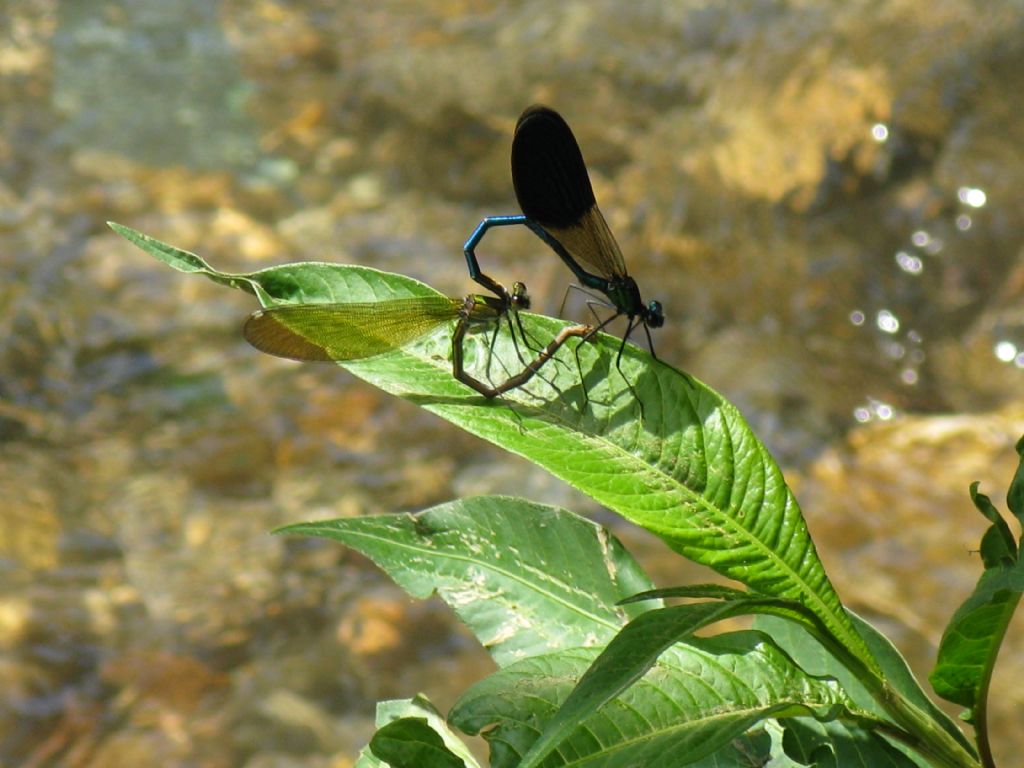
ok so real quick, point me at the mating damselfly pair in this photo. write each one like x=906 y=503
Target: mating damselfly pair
x=553 y=189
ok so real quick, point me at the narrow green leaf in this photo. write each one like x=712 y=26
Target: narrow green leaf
x=411 y=743
x=1015 y=496
x=997 y=544
x=695 y=701
x=682 y=462
x=970 y=644
x=635 y=650
x=185 y=261
x=525 y=578
x=703 y=591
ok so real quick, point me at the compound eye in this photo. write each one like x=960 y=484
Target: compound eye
x=520 y=298
x=655 y=315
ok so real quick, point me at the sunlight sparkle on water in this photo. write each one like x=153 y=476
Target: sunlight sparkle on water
x=908 y=263
x=972 y=196
x=880 y=132
x=920 y=238
x=1006 y=351
x=908 y=376
x=887 y=321
x=857 y=317
x=963 y=222
x=894 y=350
x=873 y=410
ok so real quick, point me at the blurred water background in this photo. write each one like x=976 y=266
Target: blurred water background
x=825 y=197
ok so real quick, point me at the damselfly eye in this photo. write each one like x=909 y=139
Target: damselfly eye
x=655 y=316
x=519 y=297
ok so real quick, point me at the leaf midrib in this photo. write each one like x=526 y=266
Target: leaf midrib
x=674 y=487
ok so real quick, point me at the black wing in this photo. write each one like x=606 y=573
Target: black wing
x=553 y=188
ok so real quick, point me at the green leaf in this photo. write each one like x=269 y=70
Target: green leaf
x=410 y=712
x=635 y=650
x=997 y=544
x=1015 y=496
x=709 y=591
x=690 y=705
x=411 y=743
x=525 y=578
x=184 y=261
x=756 y=747
x=970 y=644
x=838 y=744
x=813 y=657
x=681 y=463
x=777 y=757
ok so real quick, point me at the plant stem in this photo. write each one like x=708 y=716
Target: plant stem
x=981 y=733
x=922 y=733
x=979 y=712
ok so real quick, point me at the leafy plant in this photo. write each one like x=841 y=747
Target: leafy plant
x=595 y=669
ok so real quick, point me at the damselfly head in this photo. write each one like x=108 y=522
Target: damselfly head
x=519 y=297
x=654 y=316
